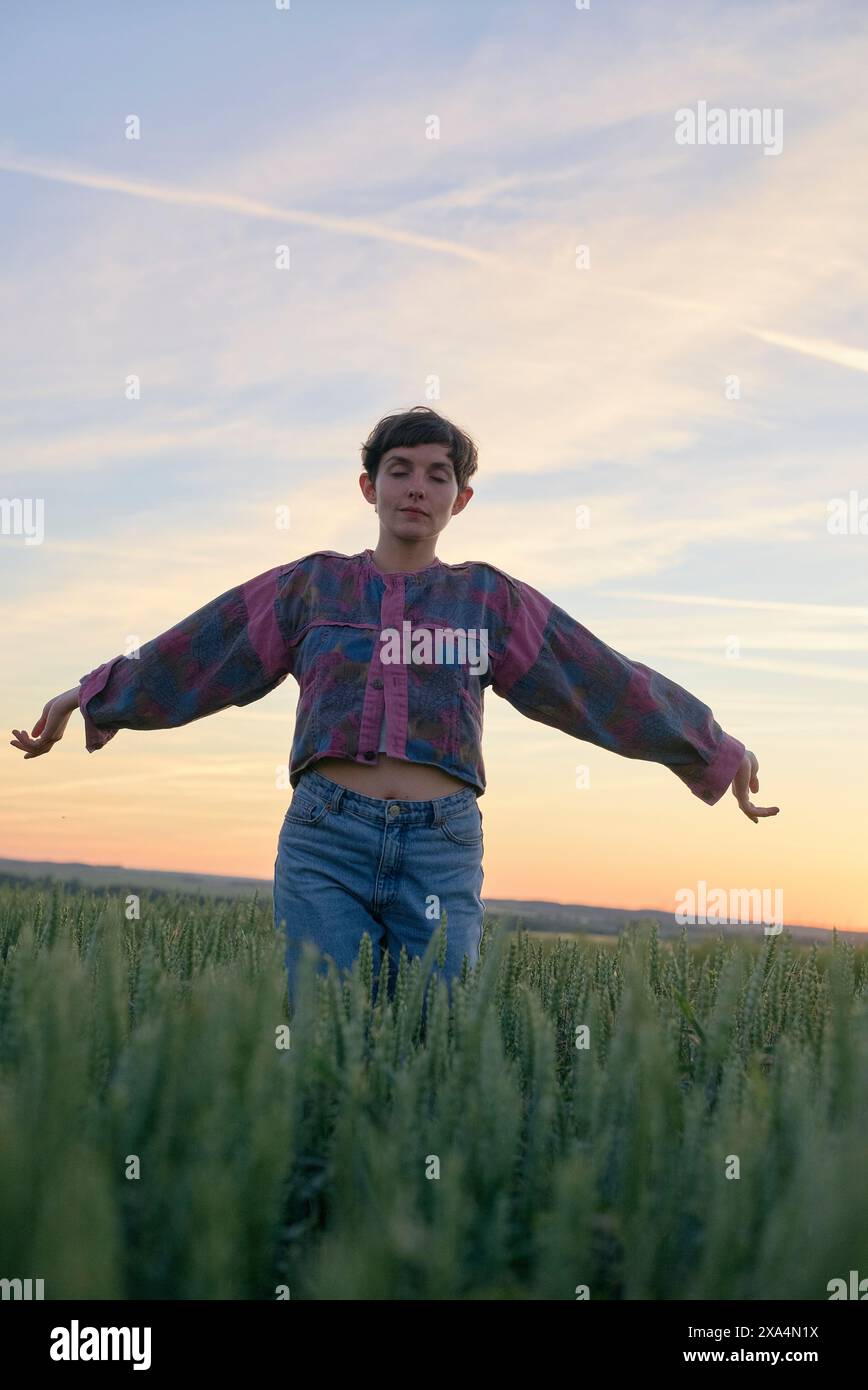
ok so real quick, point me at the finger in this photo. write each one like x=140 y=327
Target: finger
x=34 y=745
x=755 y=811
x=40 y=723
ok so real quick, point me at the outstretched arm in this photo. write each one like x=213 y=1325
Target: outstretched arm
x=232 y=651
x=554 y=670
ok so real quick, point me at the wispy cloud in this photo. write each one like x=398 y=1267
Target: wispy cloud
x=248 y=207
x=823 y=348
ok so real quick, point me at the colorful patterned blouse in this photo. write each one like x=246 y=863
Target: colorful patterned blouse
x=417 y=649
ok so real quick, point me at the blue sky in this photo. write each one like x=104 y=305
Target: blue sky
x=454 y=259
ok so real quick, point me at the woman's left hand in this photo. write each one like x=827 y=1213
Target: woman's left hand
x=745 y=781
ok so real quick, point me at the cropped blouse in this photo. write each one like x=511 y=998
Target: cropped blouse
x=411 y=654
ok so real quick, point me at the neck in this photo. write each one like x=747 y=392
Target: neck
x=394 y=556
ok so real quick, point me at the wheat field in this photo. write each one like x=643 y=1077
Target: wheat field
x=635 y=1120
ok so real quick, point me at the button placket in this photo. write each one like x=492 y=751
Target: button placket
x=372 y=715
x=392 y=616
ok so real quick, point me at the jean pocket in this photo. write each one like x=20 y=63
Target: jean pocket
x=305 y=808
x=464 y=826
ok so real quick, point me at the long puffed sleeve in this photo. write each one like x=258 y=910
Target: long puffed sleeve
x=554 y=670
x=232 y=651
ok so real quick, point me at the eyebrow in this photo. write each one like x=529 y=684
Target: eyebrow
x=437 y=463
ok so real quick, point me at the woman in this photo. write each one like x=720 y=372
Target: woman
x=393 y=650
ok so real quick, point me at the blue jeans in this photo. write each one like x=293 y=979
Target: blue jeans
x=349 y=864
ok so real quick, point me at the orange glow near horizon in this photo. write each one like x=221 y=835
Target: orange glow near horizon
x=207 y=799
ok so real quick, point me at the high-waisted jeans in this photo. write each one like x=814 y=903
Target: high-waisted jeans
x=349 y=864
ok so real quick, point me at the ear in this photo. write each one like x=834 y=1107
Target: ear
x=462 y=500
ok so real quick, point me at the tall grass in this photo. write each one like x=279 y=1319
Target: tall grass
x=430 y=1146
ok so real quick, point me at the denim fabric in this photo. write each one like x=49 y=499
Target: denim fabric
x=349 y=864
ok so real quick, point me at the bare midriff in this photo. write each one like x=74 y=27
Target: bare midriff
x=390 y=778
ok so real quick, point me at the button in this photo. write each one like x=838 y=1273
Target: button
x=377 y=684
x=394 y=810
x=369 y=755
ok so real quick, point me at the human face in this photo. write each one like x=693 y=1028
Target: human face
x=416 y=493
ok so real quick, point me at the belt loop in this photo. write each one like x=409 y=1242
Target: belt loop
x=337 y=797
x=438 y=811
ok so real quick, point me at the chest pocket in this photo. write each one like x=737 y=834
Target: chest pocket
x=336 y=659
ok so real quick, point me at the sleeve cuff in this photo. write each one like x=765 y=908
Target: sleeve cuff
x=92 y=684
x=711 y=781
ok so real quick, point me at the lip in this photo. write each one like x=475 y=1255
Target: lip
x=413 y=511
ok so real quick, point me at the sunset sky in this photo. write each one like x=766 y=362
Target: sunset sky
x=698 y=378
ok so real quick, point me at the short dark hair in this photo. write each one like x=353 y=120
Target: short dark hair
x=420 y=425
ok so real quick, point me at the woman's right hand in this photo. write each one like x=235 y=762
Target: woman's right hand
x=48 y=729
